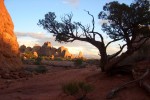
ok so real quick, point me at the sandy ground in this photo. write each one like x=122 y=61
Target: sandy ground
x=48 y=86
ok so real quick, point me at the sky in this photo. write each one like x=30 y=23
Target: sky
x=26 y=14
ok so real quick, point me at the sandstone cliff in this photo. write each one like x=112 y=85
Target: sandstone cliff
x=9 y=52
x=48 y=50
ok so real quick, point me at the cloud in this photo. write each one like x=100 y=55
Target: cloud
x=32 y=35
x=101 y=22
x=73 y=3
x=30 y=39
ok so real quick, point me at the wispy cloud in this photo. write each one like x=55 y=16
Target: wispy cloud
x=32 y=35
x=73 y=3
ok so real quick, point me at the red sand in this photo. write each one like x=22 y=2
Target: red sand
x=48 y=86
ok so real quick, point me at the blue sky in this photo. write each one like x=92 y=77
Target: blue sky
x=26 y=13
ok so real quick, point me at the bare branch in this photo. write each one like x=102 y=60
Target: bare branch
x=112 y=42
x=117 y=53
x=93 y=22
x=117 y=89
x=93 y=25
x=85 y=30
x=76 y=30
x=96 y=33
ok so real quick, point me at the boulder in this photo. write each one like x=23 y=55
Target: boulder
x=72 y=56
x=80 y=55
x=60 y=50
x=35 y=54
x=66 y=54
x=63 y=52
x=47 y=44
x=53 y=51
x=48 y=50
x=9 y=48
x=36 y=48
x=45 y=50
x=28 y=49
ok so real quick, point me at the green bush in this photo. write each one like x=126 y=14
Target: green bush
x=38 y=60
x=41 y=69
x=59 y=59
x=85 y=87
x=77 y=89
x=78 y=62
x=70 y=88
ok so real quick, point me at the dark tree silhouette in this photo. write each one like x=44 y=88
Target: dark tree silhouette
x=22 y=48
x=128 y=23
x=68 y=31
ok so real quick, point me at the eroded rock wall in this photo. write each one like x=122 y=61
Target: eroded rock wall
x=9 y=52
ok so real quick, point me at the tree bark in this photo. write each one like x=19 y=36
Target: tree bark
x=103 y=59
x=114 y=62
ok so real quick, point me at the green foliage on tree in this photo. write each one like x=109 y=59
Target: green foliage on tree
x=127 y=22
x=22 y=48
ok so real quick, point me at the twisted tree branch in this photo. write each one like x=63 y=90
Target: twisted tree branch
x=112 y=93
x=117 y=53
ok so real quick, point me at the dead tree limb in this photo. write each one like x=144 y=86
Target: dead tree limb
x=112 y=93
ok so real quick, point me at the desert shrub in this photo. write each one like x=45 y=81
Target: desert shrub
x=41 y=69
x=38 y=60
x=78 y=61
x=59 y=59
x=86 y=88
x=70 y=88
x=77 y=89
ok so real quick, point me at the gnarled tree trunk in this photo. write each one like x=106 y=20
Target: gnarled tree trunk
x=103 y=59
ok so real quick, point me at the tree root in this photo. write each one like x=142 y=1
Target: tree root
x=112 y=93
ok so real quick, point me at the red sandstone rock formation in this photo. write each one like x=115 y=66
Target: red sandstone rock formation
x=36 y=48
x=48 y=50
x=9 y=52
x=45 y=50
x=80 y=55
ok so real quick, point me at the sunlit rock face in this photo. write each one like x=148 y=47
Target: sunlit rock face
x=80 y=55
x=9 y=52
x=45 y=50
